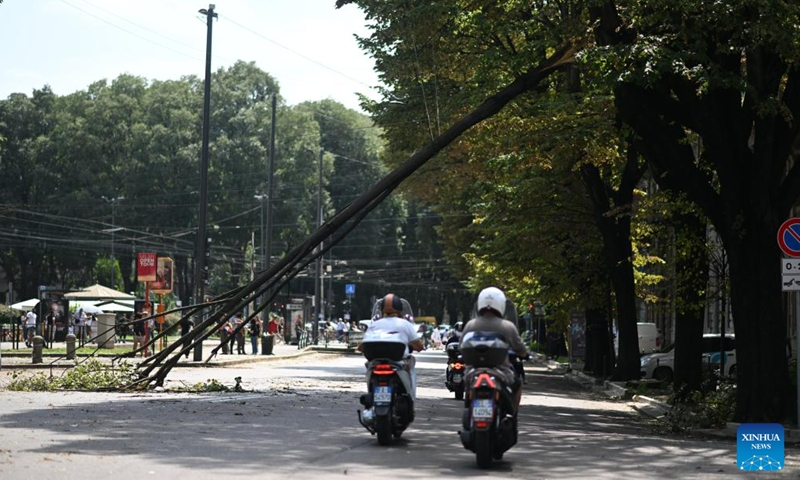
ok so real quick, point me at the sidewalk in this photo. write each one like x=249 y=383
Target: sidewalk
x=22 y=358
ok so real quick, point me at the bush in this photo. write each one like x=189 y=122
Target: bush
x=708 y=408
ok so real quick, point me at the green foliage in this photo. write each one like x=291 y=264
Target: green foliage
x=210 y=385
x=137 y=142
x=708 y=408
x=8 y=316
x=91 y=375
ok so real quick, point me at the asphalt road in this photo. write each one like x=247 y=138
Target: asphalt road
x=297 y=419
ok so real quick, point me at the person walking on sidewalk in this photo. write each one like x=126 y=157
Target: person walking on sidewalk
x=240 y=335
x=139 y=332
x=224 y=333
x=30 y=328
x=255 y=332
x=186 y=327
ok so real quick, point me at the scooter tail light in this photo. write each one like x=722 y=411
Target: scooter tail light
x=484 y=380
x=383 y=369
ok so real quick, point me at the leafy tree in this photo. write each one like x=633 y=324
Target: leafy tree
x=729 y=88
x=440 y=58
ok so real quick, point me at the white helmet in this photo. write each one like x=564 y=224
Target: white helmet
x=493 y=298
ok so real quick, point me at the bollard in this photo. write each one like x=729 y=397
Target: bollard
x=70 y=346
x=38 y=344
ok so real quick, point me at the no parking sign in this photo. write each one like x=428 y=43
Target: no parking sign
x=789 y=237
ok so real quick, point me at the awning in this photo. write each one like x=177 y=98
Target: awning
x=26 y=305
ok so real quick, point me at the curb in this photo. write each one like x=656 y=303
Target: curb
x=243 y=361
x=791 y=435
x=649 y=406
x=611 y=389
x=181 y=364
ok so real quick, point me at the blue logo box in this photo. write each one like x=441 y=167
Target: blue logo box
x=759 y=447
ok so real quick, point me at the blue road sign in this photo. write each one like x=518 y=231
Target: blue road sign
x=350 y=289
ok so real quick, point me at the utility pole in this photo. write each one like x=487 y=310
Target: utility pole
x=318 y=283
x=270 y=186
x=200 y=267
x=113 y=257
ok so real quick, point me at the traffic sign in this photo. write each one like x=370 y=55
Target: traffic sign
x=790 y=266
x=350 y=288
x=789 y=237
x=790 y=283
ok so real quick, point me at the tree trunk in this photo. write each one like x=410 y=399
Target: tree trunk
x=763 y=392
x=599 y=358
x=691 y=272
x=615 y=229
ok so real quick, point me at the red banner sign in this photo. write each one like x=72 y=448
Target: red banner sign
x=146 y=267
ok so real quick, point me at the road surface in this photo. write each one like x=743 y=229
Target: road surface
x=297 y=419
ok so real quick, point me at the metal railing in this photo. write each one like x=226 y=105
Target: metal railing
x=303 y=341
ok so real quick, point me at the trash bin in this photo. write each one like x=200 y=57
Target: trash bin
x=267 y=342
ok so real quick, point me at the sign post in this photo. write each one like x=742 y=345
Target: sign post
x=350 y=291
x=789 y=243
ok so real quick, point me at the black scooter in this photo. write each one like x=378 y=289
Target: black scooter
x=454 y=375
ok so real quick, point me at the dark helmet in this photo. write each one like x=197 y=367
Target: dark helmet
x=458 y=327
x=392 y=305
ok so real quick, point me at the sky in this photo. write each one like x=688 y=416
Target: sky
x=308 y=46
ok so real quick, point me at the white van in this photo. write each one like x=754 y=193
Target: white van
x=649 y=338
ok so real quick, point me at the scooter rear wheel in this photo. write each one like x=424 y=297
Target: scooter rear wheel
x=483 y=449
x=383 y=428
x=460 y=393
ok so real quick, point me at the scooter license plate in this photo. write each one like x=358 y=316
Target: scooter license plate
x=382 y=395
x=457 y=377
x=482 y=409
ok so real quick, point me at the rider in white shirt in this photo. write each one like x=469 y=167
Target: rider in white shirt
x=393 y=328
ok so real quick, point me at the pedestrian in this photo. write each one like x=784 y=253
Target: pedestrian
x=22 y=327
x=30 y=328
x=436 y=337
x=80 y=322
x=346 y=332
x=186 y=327
x=240 y=335
x=273 y=327
x=50 y=328
x=91 y=327
x=232 y=323
x=123 y=327
x=298 y=326
x=224 y=333
x=139 y=333
x=340 y=330
x=255 y=332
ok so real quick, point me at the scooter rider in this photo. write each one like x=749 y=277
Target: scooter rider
x=455 y=334
x=491 y=306
x=392 y=325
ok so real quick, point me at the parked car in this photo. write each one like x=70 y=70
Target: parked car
x=660 y=365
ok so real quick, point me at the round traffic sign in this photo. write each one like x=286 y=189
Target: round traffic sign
x=789 y=237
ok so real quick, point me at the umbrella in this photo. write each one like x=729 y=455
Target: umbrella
x=91 y=309
x=26 y=305
x=115 y=307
